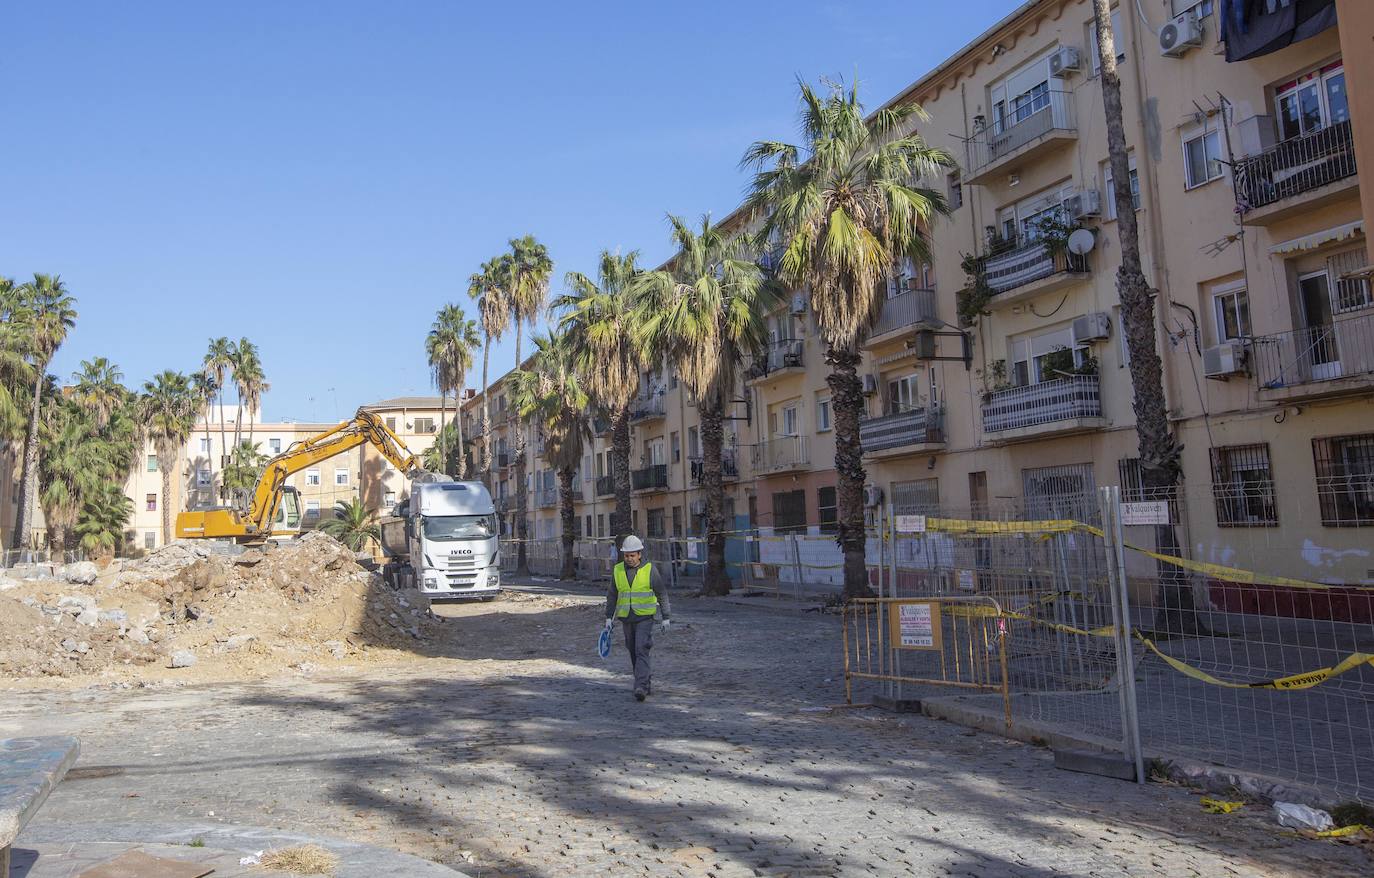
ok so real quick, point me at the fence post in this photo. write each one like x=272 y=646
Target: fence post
x=797 y=566
x=1109 y=499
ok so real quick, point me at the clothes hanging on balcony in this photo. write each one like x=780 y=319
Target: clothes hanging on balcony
x=1251 y=28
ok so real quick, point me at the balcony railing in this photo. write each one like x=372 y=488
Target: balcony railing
x=644 y=408
x=782 y=453
x=784 y=353
x=1062 y=399
x=729 y=466
x=1295 y=166
x=1028 y=263
x=1039 y=116
x=914 y=427
x=605 y=486
x=655 y=476
x=548 y=497
x=1313 y=354
x=905 y=309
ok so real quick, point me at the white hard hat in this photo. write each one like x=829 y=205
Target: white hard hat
x=632 y=544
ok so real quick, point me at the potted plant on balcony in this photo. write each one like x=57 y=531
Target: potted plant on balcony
x=995 y=379
x=972 y=301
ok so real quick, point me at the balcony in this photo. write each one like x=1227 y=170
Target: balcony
x=1043 y=122
x=782 y=357
x=917 y=431
x=502 y=459
x=547 y=498
x=650 y=478
x=1064 y=405
x=729 y=467
x=1296 y=175
x=1031 y=269
x=783 y=454
x=605 y=486
x=647 y=408
x=1316 y=360
x=906 y=309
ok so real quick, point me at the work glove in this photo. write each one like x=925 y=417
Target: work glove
x=609 y=624
x=666 y=624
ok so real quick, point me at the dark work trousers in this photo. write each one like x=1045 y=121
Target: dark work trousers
x=639 y=639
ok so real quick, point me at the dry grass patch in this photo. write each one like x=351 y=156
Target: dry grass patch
x=307 y=859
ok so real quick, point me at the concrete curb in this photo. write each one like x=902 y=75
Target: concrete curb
x=356 y=860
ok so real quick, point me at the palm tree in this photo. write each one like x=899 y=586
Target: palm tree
x=845 y=206
x=597 y=317
x=169 y=410
x=493 y=315
x=1160 y=452
x=203 y=386
x=353 y=524
x=219 y=362
x=100 y=526
x=49 y=314
x=69 y=466
x=550 y=394
x=449 y=347
x=530 y=268
x=98 y=389
x=16 y=373
x=251 y=382
x=246 y=465
x=704 y=312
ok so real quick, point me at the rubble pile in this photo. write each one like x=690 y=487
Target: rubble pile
x=195 y=605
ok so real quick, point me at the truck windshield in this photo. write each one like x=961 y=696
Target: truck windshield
x=459 y=527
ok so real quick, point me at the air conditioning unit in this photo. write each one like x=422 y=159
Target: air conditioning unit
x=873 y=496
x=1224 y=360
x=798 y=303
x=1083 y=204
x=1096 y=326
x=1182 y=33
x=870 y=384
x=1064 y=62
x=923 y=343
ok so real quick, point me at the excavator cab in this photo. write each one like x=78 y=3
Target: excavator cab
x=287 y=524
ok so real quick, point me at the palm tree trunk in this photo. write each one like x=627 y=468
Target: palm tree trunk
x=166 y=500
x=569 y=522
x=484 y=464
x=717 y=581
x=521 y=494
x=620 y=474
x=847 y=400
x=458 y=434
x=209 y=453
x=223 y=446
x=443 y=422
x=1160 y=467
x=28 y=485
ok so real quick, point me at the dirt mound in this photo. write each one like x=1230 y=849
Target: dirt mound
x=187 y=605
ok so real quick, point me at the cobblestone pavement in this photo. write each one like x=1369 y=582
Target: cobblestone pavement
x=512 y=750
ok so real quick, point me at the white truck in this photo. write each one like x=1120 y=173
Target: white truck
x=444 y=542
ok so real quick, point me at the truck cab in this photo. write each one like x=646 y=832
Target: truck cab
x=444 y=542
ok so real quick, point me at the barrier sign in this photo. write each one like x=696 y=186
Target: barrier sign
x=910 y=524
x=1145 y=512
x=916 y=625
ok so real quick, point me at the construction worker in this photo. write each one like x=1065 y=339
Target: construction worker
x=635 y=594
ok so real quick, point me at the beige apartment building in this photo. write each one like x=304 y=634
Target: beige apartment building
x=1248 y=198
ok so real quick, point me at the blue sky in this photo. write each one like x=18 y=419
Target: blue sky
x=322 y=176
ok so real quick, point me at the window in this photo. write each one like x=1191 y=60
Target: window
x=693 y=442
x=1045 y=357
x=424 y=425
x=827 y=510
x=1243 y=486
x=1020 y=222
x=204 y=445
x=1312 y=101
x=202 y=478
x=150 y=502
x=675 y=442
x=784 y=421
x=1109 y=187
x=312 y=477
x=823 y=414
x=1231 y=311
x=1133 y=490
x=1345 y=479
x=1067 y=491
x=789 y=511
x=341 y=476
x=904 y=394
x=654 y=518
x=391 y=424
x=152 y=463
x=1352 y=293
x=389 y=499
x=917 y=497
x=586 y=468
x=601 y=525
x=1202 y=158
x=150 y=539
x=274 y=445
x=677 y=521
x=1021 y=95
x=1118 y=36
x=955 y=191
x=312 y=509
x=587 y=526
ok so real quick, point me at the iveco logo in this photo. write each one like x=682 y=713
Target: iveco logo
x=462 y=552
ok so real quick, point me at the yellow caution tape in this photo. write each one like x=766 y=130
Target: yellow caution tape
x=1343 y=831
x=1296 y=681
x=1218 y=806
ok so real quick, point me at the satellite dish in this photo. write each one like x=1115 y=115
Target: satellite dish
x=1081 y=241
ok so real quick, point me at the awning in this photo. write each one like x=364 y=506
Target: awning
x=1318 y=239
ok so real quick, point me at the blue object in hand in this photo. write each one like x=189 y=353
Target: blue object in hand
x=603 y=643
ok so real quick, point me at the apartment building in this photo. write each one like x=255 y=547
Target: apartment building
x=416 y=421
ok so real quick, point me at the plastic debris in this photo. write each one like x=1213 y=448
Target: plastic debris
x=1218 y=806
x=1296 y=816
x=251 y=860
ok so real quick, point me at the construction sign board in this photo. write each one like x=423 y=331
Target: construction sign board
x=916 y=624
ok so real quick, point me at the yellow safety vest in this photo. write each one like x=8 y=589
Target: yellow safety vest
x=638 y=596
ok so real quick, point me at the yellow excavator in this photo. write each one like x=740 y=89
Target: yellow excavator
x=266 y=516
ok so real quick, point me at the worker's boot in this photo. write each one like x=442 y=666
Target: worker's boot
x=639 y=694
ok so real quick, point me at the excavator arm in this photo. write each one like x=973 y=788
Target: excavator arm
x=254 y=524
